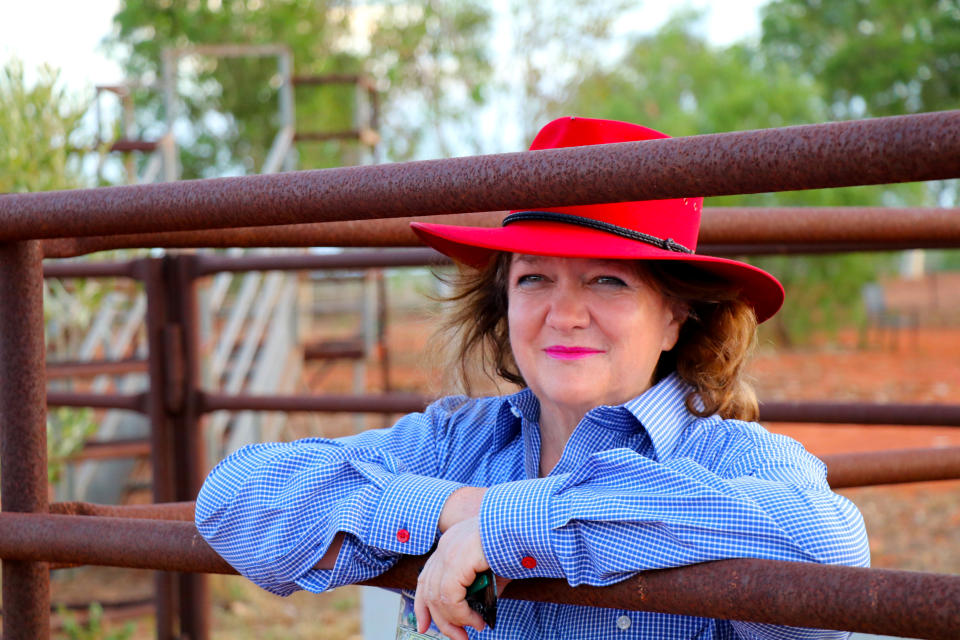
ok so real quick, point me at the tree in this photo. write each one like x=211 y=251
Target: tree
x=428 y=59
x=873 y=57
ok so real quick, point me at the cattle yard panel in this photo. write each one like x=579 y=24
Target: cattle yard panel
x=883 y=150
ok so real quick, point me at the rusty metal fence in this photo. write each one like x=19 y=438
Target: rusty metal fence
x=331 y=208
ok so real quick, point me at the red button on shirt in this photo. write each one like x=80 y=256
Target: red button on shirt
x=403 y=535
x=529 y=562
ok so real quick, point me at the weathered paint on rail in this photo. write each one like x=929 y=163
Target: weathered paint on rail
x=872 y=600
x=723 y=231
x=859 y=152
x=23 y=434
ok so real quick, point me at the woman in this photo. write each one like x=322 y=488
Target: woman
x=630 y=445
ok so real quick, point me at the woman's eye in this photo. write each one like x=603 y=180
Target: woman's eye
x=529 y=278
x=612 y=281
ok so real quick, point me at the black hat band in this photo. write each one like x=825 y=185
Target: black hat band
x=551 y=216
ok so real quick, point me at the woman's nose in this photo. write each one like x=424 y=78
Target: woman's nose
x=568 y=310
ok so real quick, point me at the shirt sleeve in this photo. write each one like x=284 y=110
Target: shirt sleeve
x=620 y=512
x=271 y=510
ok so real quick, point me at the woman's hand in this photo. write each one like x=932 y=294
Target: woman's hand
x=442 y=586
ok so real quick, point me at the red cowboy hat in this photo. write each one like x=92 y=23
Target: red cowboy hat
x=640 y=230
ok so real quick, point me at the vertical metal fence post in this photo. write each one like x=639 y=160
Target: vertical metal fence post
x=23 y=430
x=189 y=451
x=151 y=273
x=179 y=459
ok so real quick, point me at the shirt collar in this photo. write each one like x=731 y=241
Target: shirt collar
x=661 y=410
x=524 y=404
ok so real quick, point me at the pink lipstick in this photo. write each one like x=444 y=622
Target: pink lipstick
x=561 y=352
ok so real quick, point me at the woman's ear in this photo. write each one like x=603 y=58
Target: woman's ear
x=675 y=317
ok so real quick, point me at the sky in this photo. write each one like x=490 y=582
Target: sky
x=62 y=33
x=67 y=33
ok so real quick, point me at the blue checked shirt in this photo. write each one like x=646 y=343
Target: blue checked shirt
x=643 y=485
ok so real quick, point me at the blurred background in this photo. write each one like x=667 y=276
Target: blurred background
x=88 y=97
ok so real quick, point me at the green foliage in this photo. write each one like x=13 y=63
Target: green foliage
x=428 y=59
x=872 y=57
x=94 y=628
x=36 y=124
x=68 y=429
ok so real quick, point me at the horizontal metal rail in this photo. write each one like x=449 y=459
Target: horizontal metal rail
x=183 y=511
x=859 y=152
x=208 y=264
x=892 y=467
x=395 y=402
x=822 y=412
x=70 y=369
x=723 y=231
x=88 y=269
x=111 y=449
x=935 y=415
x=870 y=600
x=334 y=350
x=131 y=402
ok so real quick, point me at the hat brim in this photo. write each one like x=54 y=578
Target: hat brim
x=475 y=246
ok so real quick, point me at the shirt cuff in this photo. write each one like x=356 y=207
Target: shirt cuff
x=515 y=529
x=405 y=520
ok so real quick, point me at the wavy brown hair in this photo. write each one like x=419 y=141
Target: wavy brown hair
x=714 y=344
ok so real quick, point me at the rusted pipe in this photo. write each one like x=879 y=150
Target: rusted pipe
x=23 y=431
x=130 y=402
x=723 y=231
x=903 y=603
x=87 y=269
x=875 y=151
x=940 y=415
x=137 y=543
x=110 y=449
x=334 y=350
x=208 y=264
x=892 y=467
x=72 y=369
x=870 y=600
x=840 y=413
x=389 y=232
x=395 y=402
x=182 y=511
x=190 y=446
x=828 y=225
x=160 y=368
x=821 y=249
